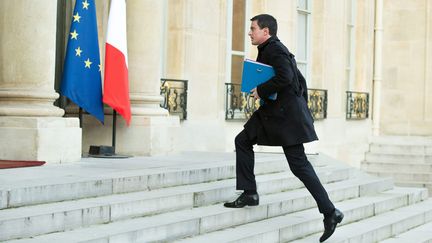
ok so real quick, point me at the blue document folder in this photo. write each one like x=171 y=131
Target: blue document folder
x=254 y=74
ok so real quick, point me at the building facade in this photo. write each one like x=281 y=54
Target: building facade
x=367 y=63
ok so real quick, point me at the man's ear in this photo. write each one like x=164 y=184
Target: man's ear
x=266 y=30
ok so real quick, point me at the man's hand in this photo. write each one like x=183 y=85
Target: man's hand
x=255 y=93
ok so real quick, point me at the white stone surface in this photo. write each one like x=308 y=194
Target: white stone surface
x=388 y=166
x=412 y=149
x=405 y=159
x=402 y=140
x=80 y=213
x=401 y=176
x=295 y=225
x=97 y=177
x=397 y=158
x=146 y=135
x=184 y=205
x=382 y=226
x=216 y=217
x=420 y=234
x=31 y=138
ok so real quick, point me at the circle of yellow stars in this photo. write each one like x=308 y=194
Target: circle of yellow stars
x=74 y=36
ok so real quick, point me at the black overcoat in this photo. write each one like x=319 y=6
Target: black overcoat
x=287 y=120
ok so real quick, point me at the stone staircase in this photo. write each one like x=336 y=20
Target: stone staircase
x=408 y=160
x=179 y=198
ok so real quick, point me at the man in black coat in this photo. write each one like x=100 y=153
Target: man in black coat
x=285 y=122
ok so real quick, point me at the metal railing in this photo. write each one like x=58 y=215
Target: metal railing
x=240 y=105
x=174 y=92
x=357 y=106
x=317 y=103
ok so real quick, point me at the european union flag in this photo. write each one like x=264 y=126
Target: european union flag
x=81 y=81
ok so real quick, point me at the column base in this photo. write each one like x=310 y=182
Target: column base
x=146 y=135
x=50 y=139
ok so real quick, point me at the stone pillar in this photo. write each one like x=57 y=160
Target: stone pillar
x=31 y=127
x=376 y=115
x=151 y=128
x=145 y=25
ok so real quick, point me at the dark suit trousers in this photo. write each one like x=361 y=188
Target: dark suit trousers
x=297 y=161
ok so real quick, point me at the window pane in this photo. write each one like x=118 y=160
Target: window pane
x=348 y=78
x=302 y=37
x=302 y=68
x=302 y=4
x=236 y=69
x=348 y=47
x=349 y=11
x=238 y=28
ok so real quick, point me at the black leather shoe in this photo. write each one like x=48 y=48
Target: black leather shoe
x=243 y=200
x=330 y=223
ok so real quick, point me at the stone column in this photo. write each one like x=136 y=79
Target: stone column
x=151 y=128
x=145 y=25
x=31 y=127
x=376 y=115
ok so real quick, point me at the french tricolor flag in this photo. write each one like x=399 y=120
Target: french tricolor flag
x=116 y=84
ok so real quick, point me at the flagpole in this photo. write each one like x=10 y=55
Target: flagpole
x=116 y=89
x=114 y=129
x=80 y=117
x=82 y=84
x=116 y=84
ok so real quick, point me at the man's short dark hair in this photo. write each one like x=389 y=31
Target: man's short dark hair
x=266 y=20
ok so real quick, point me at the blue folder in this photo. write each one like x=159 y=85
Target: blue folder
x=254 y=74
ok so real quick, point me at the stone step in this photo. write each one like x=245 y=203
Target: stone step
x=381 y=227
x=400 y=149
x=403 y=140
x=411 y=167
x=74 y=185
x=171 y=225
x=84 y=212
x=403 y=175
x=299 y=224
x=424 y=184
x=420 y=234
x=397 y=158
